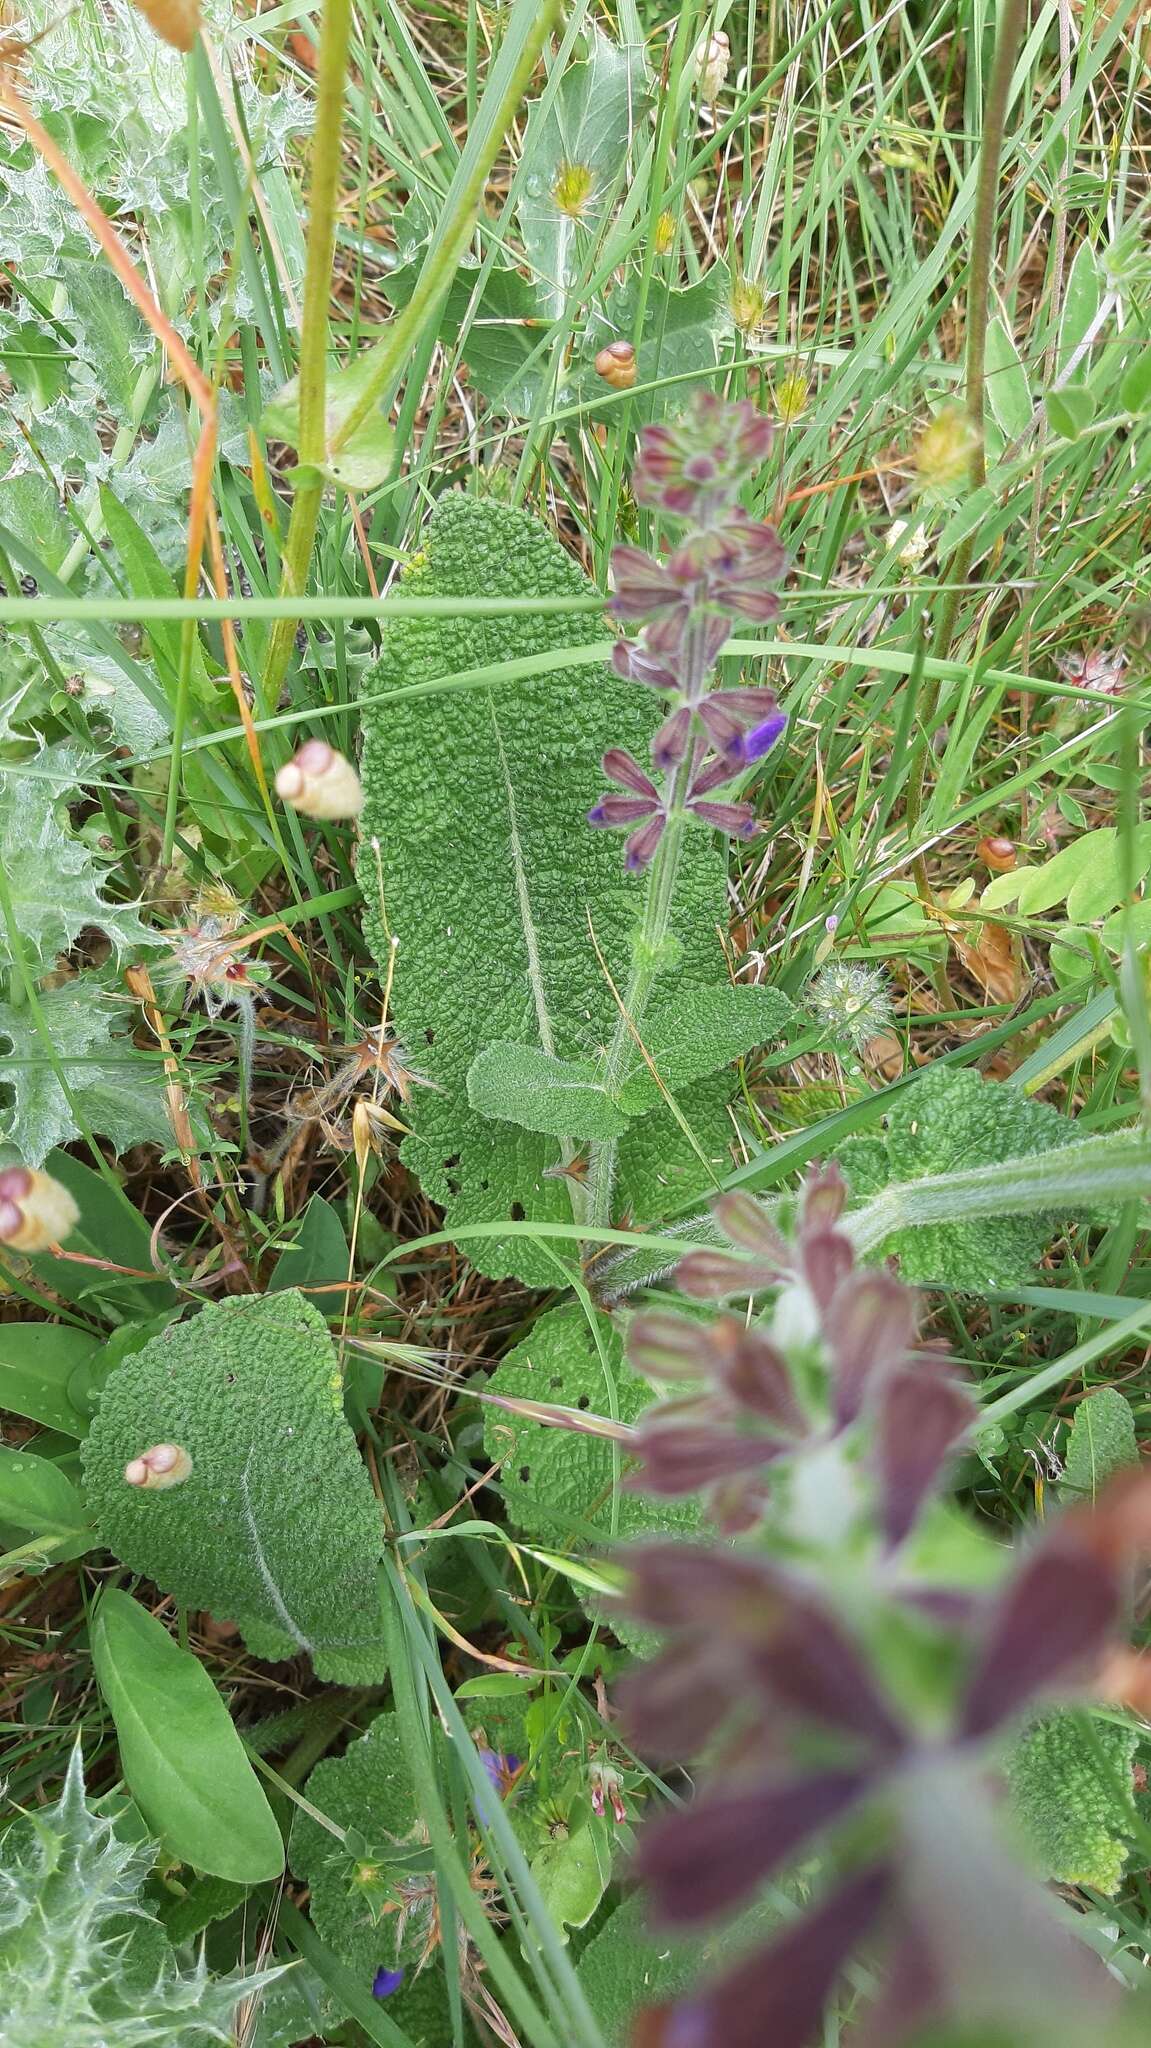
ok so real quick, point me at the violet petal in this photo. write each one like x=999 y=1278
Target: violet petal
x=705 y=1859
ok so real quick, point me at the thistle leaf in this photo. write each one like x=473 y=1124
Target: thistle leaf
x=116 y=1090
x=56 y=881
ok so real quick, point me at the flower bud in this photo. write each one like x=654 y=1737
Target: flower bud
x=664 y=233
x=320 y=783
x=616 y=365
x=36 y=1212
x=999 y=854
x=711 y=58
x=163 y=1466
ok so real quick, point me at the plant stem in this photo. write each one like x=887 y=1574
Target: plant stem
x=335 y=37
x=1011 y=27
x=648 y=948
x=389 y=356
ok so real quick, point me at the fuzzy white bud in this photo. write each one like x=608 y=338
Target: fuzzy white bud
x=320 y=783
x=36 y=1211
x=711 y=58
x=163 y=1466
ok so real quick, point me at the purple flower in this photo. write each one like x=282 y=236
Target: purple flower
x=386 y=1981
x=644 y=804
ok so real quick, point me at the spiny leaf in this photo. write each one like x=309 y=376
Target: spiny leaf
x=56 y=881
x=116 y=1090
x=277 y=1526
x=585 y=127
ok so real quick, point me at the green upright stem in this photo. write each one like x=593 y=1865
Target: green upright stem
x=390 y=354
x=1011 y=27
x=331 y=76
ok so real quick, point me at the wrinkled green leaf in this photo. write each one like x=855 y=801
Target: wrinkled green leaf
x=522 y=1084
x=697 y=1031
x=277 y=1526
x=182 y=1759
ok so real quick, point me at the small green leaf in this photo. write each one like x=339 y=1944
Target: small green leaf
x=35 y=1495
x=1008 y=392
x=364 y=460
x=1080 y=304
x=182 y=1758
x=1102 y=1440
x=1135 y=389
x=1070 y=410
x=522 y=1084
x=573 y=1874
x=37 y=1362
x=318 y=1258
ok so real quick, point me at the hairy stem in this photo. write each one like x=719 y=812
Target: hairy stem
x=389 y=356
x=1011 y=27
x=647 y=951
x=335 y=37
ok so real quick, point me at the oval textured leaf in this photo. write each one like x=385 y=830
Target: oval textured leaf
x=182 y=1759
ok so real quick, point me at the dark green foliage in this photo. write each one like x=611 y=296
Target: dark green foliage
x=560 y=1488
x=277 y=1527
x=950 y=1119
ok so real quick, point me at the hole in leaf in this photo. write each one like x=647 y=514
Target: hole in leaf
x=525 y=1474
x=516 y=1212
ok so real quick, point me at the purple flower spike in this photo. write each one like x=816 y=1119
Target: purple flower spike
x=620 y=766
x=619 y=810
x=642 y=587
x=632 y=661
x=671 y=742
x=386 y=1981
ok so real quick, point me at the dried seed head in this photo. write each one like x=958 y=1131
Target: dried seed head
x=155 y=1470
x=944 y=450
x=616 y=365
x=573 y=188
x=748 y=305
x=36 y=1212
x=791 y=395
x=320 y=783
x=711 y=58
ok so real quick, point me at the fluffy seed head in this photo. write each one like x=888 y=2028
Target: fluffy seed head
x=35 y=1210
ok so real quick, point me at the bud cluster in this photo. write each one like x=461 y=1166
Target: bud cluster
x=725 y=567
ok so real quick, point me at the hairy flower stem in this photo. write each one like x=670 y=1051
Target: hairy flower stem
x=1011 y=27
x=647 y=951
x=511 y=73
x=335 y=38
